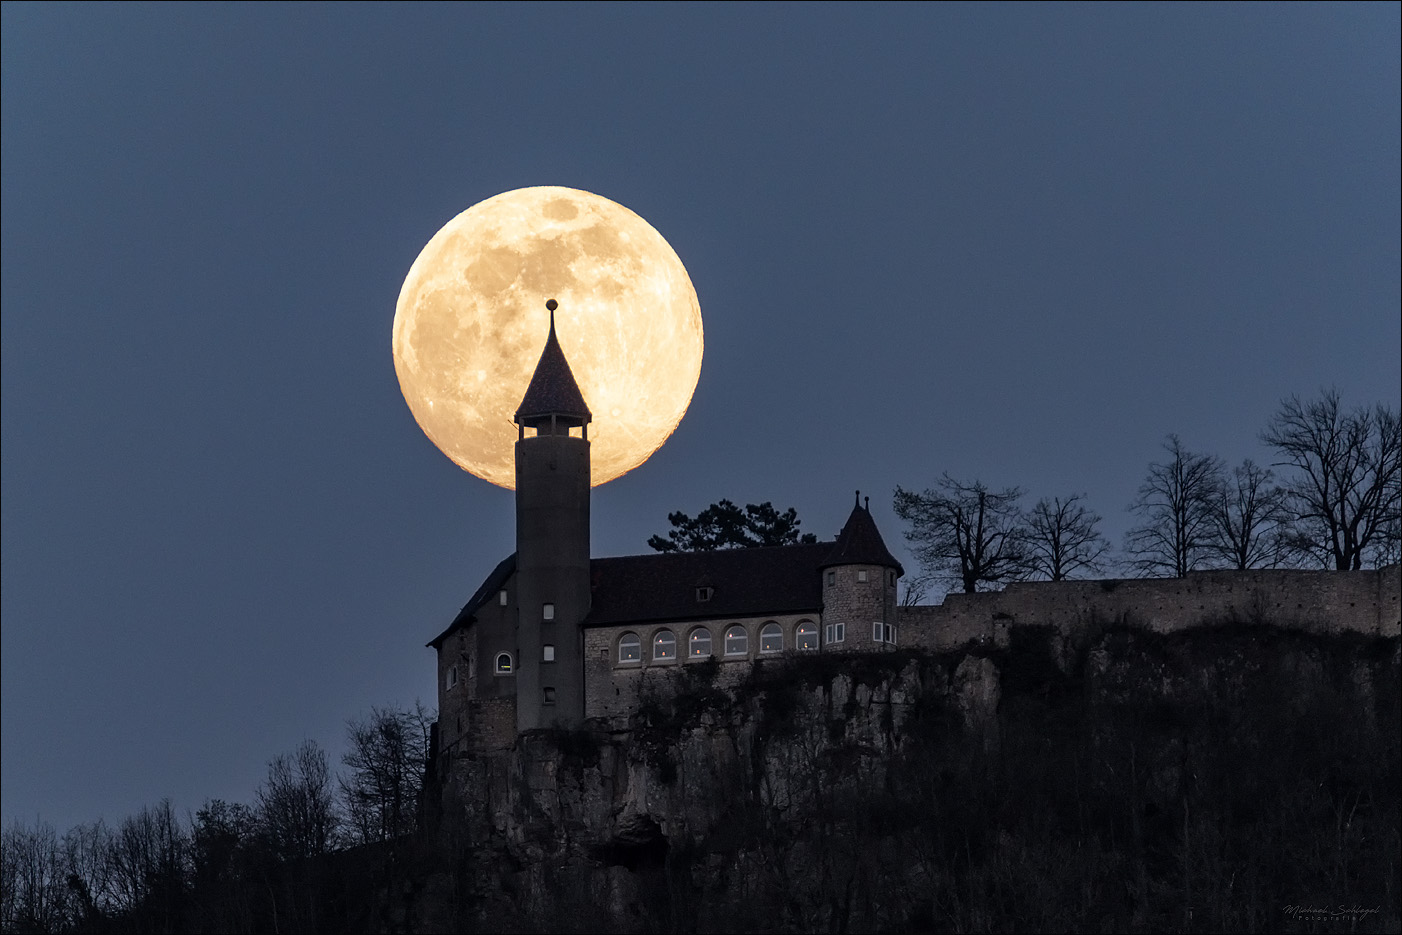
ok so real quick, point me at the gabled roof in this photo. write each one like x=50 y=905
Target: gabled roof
x=552 y=387
x=744 y=583
x=494 y=583
x=860 y=542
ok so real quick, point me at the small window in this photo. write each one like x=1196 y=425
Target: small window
x=547 y=612
x=450 y=679
x=883 y=632
x=547 y=696
x=862 y=576
x=664 y=645
x=699 y=644
x=630 y=648
x=891 y=578
x=835 y=633
x=504 y=664
x=771 y=638
x=704 y=594
x=832 y=578
x=737 y=642
x=501 y=598
x=806 y=636
x=547 y=653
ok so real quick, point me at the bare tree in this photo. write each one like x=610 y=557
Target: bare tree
x=965 y=532
x=387 y=755
x=1249 y=515
x=1344 y=498
x=296 y=806
x=1062 y=538
x=1175 y=506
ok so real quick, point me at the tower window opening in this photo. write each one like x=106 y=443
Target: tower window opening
x=862 y=576
x=806 y=636
x=501 y=597
x=699 y=644
x=547 y=653
x=703 y=594
x=891 y=579
x=883 y=632
x=771 y=638
x=547 y=612
x=450 y=679
x=737 y=642
x=835 y=633
x=503 y=664
x=664 y=645
x=832 y=578
x=548 y=696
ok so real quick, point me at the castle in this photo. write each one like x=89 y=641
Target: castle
x=554 y=638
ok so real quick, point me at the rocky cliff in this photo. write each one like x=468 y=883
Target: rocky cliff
x=1121 y=780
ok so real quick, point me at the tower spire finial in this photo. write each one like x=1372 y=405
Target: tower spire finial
x=859 y=498
x=551 y=304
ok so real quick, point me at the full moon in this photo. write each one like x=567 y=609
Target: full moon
x=471 y=322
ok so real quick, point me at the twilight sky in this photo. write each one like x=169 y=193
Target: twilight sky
x=1017 y=243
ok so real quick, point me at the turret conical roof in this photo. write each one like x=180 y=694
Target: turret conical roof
x=860 y=542
x=552 y=388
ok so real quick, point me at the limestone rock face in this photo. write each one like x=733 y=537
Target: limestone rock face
x=812 y=794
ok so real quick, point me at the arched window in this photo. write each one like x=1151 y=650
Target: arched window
x=630 y=648
x=737 y=642
x=699 y=644
x=664 y=645
x=504 y=664
x=771 y=638
x=806 y=636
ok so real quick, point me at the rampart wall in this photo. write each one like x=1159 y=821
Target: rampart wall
x=1316 y=601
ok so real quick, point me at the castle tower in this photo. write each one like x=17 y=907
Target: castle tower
x=859 y=586
x=552 y=543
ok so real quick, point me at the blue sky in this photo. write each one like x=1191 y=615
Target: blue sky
x=1014 y=242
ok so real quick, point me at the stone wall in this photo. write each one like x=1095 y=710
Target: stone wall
x=1312 y=601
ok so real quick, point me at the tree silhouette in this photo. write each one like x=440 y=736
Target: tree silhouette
x=965 y=532
x=724 y=525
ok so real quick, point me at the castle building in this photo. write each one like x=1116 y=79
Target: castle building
x=553 y=637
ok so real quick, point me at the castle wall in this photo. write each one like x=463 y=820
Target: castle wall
x=1315 y=601
x=613 y=688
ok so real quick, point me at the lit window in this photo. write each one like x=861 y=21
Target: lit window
x=547 y=653
x=547 y=612
x=771 y=638
x=704 y=594
x=503 y=663
x=630 y=648
x=832 y=578
x=501 y=598
x=835 y=633
x=806 y=636
x=737 y=642
x=862 y=576
x=664 y=645
x=699 y=645
x=451 y=679
x=548 y=696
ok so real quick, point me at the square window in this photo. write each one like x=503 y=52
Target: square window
x=547 y=612
x=501 y=598
x=548 y=697
x=547 y=653
x=703 y=594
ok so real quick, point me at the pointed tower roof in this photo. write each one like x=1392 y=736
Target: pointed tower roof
x=552 y=387
x=860 y=542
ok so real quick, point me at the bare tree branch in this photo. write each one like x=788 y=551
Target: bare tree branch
x=1062 y=538
x=965 y=533
x=1175 y=506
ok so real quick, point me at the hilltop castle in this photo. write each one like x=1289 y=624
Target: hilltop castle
x=553 y=638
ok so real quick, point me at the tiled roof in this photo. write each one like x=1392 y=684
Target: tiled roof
x=744 y=583
x=860 y=543
x=552 y=387
x=494 y=583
